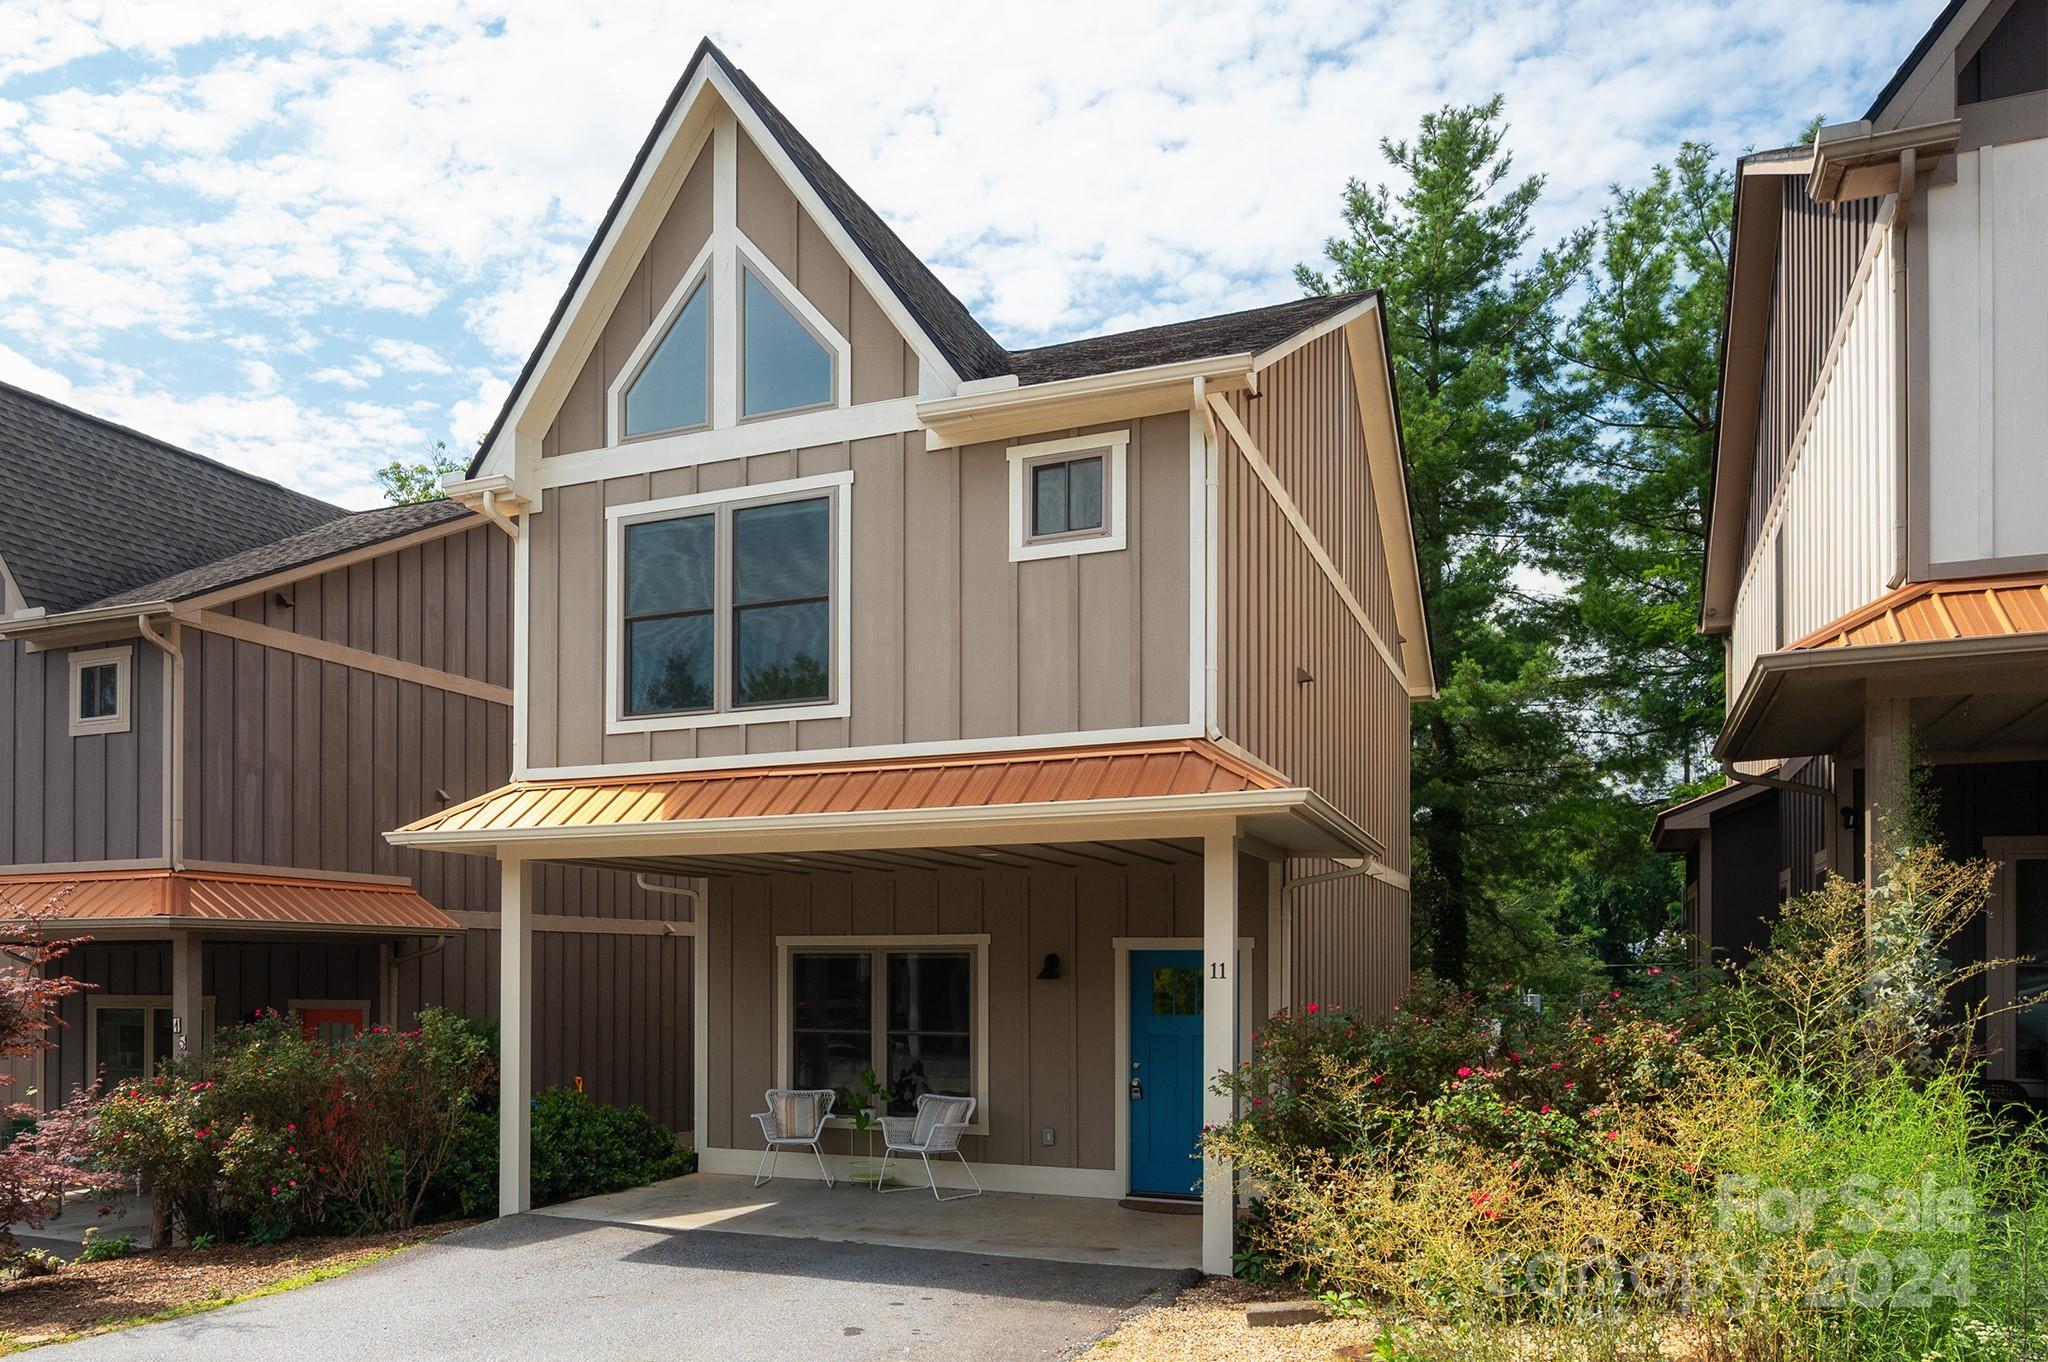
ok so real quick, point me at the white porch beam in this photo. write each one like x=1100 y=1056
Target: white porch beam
x=1219 y=1038
x=187 y=1022
x=515 y=1039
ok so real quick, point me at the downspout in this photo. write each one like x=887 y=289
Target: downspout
x=694 y=896
x=1901 y=369
x=174 y=757
x=1372 y=868
x=1211 y=524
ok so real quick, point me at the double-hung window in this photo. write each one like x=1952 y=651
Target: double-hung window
x=912 y=1011
x=730 y=603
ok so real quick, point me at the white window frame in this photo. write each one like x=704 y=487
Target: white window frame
x=698 y=275
x=149 y=1002
x=750 y=260
x=976 y=944
x=122 y=658
x=839 y=489
x=1113 y=446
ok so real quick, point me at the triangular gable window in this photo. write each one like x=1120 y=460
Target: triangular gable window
x=784 y=366
x=672 y=391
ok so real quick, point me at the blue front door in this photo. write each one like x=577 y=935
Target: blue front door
x=1165 y=1081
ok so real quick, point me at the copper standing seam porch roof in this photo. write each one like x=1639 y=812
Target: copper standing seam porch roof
x=1188 y=766
x=1991 y=607
x=220 y=898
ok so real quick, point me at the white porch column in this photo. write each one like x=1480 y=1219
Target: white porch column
x=1219 y=1038
x=188 y=1019
x=515 y=1039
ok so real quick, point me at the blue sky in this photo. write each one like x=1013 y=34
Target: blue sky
x=308 y=239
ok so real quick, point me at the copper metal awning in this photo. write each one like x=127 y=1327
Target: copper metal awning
x=220 y=899
x=1991 y=607
x=1175 y=777
x=1971 y=655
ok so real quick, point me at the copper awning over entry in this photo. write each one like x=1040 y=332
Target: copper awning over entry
x=1183 y=777
x=194 y=898
x=1972 y=656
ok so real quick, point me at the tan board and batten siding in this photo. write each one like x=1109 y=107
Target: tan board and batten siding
x=1345 y=733
x=1051 y=1042
x=298 y=761
x=950 y=639
x=85 y=799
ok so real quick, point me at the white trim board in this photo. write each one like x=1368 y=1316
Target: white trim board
x=1021 y=742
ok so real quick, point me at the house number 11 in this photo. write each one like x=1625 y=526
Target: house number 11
x=1216 y=970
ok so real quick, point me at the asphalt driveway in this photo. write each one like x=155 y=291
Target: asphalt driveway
x=550 y=1287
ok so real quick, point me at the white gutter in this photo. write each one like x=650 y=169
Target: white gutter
x=24 y=626
x=174 y=742
x=944 y=409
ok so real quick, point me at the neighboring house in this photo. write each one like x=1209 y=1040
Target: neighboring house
x=215 y=696
x=1036 y=721
x=1878 y=548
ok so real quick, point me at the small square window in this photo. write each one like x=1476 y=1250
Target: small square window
x=1067 y=496
x=99 y=692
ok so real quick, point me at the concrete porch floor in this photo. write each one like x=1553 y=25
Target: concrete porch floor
x=1001 y=1224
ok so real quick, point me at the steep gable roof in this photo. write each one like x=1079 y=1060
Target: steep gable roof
x=971 y=351
x=93 y=508
x=344 y=534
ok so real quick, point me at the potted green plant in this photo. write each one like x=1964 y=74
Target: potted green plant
x=864 y=1104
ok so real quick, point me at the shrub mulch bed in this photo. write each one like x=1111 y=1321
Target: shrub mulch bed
x=85 y=1298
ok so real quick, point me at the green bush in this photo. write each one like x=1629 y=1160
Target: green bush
x=95 y=1248
x=579 y=1149
x=1792 y=1164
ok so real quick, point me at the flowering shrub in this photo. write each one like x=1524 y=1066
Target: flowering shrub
x=271 y=1134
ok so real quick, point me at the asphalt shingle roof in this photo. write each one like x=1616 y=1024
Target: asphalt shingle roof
x=89 y=508
x=1253 y=330
x=350 y=531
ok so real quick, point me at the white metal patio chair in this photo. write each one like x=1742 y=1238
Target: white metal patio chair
x=795 y=1118
x=936 y=1129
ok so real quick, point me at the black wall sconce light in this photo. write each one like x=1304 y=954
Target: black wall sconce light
x=1051 y=968
x=1849 y=818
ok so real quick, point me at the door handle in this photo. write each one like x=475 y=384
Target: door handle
x=1137 y=1090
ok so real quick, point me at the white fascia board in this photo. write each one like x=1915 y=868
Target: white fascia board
x=972 y=417
x=500 y=456
x=1336 y=321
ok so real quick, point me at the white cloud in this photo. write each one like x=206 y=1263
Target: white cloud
x=395 y=191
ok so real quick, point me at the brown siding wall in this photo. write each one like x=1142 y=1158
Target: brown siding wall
x=297 y=762
x=950 y=639
x=96 y=798
x=1051 y=1043
x=1819 y=246
x=1345 y=733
